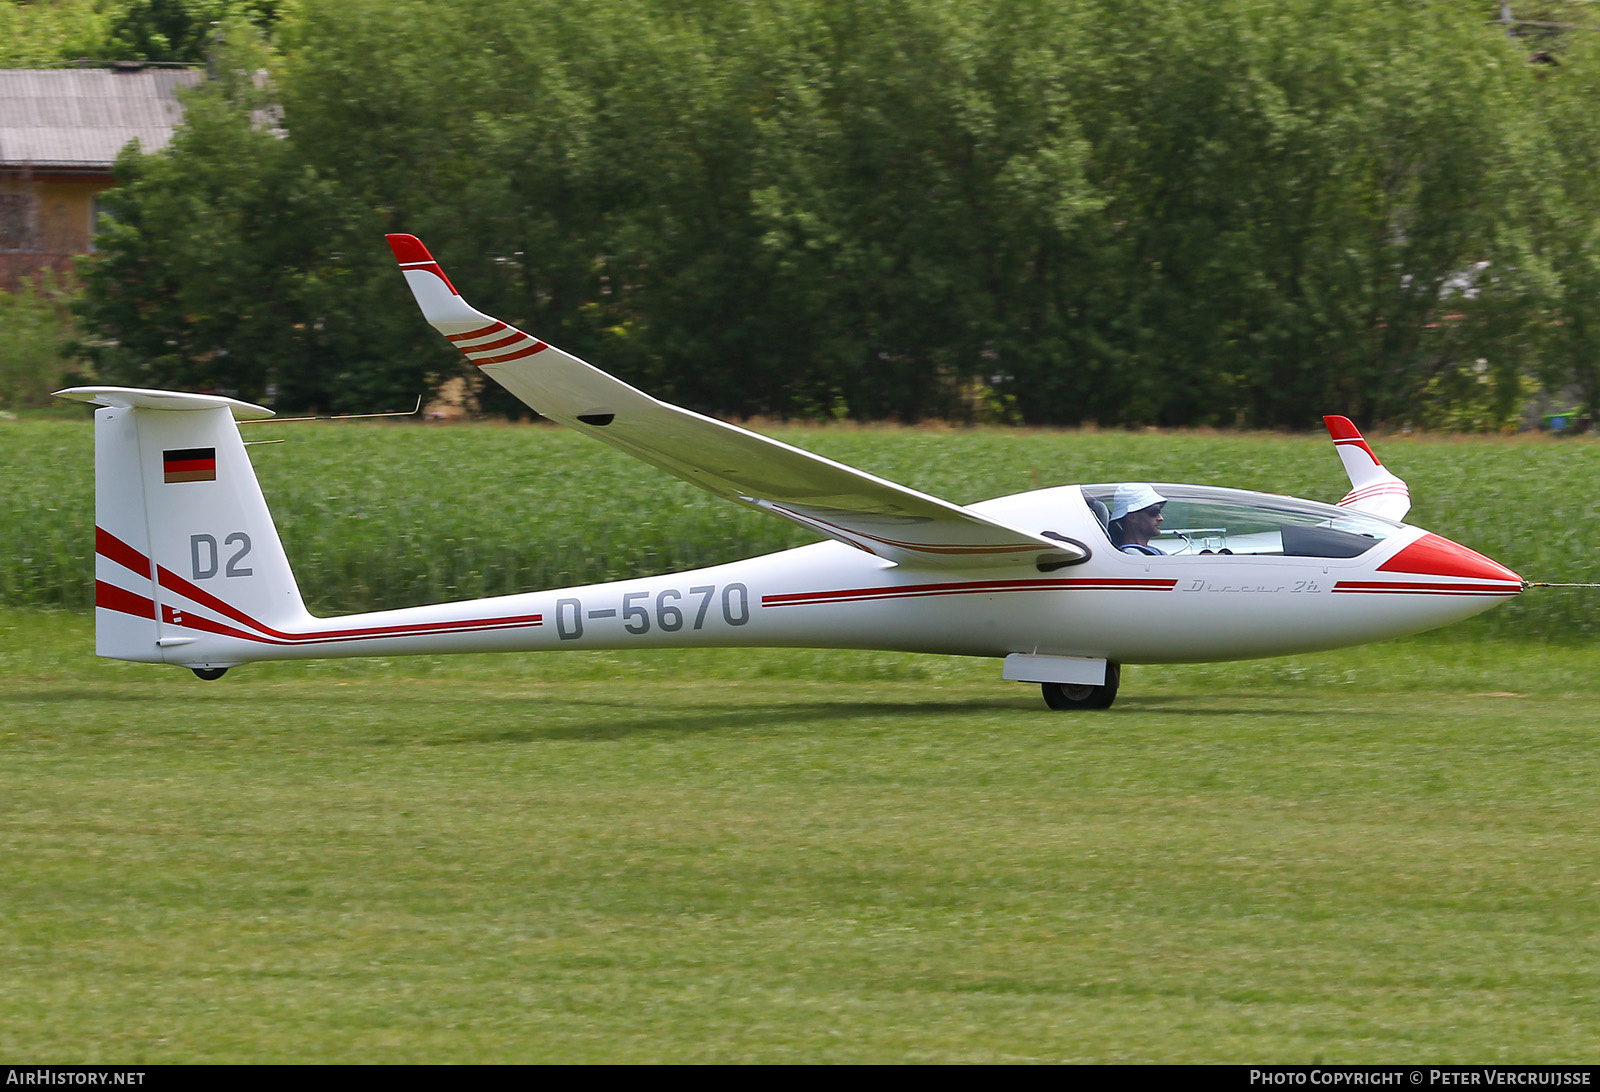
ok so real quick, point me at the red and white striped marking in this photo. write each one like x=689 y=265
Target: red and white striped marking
x=1449 y=568
x=1344 y=433
x=411 y=254
x=496 y=344
x=112 y=597
x=1419 y=587
x=970 y=587
x=1394 y=488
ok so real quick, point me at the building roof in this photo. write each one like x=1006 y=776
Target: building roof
x=78 y=119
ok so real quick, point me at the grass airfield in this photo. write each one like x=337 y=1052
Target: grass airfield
x=1382 y=854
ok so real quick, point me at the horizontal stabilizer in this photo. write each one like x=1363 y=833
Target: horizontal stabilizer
x=139 y=398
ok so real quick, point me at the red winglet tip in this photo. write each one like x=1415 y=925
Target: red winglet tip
x=1341 y=428
x=411 y=254
x=408 y=249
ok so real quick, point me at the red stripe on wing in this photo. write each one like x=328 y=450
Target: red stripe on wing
x=516 y=336
x=481 y=332
x=536 y=347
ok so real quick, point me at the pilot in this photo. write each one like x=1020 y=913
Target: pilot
x=1136 y=518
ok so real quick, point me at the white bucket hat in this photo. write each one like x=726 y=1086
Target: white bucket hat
x=1134 y=497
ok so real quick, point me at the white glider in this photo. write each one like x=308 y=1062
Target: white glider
x=190 y=570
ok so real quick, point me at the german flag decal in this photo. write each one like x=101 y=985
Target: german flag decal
x=189 y=464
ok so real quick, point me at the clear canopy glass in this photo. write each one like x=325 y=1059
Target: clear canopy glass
x=1200 y=519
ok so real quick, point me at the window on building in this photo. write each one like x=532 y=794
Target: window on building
x=16 y=221
x=99 y=217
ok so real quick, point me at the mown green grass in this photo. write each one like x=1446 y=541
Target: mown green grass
x=1384 y=854
x=1379 y=854
x=380 y=516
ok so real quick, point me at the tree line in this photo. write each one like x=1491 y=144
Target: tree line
x=1178 y=212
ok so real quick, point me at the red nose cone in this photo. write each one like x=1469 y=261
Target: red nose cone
x=1431 y=555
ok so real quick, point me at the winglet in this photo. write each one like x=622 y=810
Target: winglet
x=411 y=254
x=1372 y=487
x=441 y=304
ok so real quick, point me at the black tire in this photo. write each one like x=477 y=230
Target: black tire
x=209 y=674
x=1069 y=696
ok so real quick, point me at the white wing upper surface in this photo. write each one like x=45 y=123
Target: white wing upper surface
x=865 y=511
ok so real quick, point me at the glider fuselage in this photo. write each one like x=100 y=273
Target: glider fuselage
x=1113 y=606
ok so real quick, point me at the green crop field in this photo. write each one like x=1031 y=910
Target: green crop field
x=1380 y=854
x=381 y=516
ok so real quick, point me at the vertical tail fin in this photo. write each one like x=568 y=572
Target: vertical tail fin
x=1372 y=488
x=184 y=544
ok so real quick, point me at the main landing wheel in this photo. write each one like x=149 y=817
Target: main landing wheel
x=1071 y=696
x=209 y=673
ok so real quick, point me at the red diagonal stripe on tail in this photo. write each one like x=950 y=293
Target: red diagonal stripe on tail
x=122 y=601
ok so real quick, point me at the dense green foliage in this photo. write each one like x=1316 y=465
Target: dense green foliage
x=50 y=31
x=39 y=344
x=382 y=516
x=1183 y=212
x=46 y=32
x=1370 y=856
x=179 y=31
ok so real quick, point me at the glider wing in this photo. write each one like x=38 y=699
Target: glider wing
x=865 y=511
